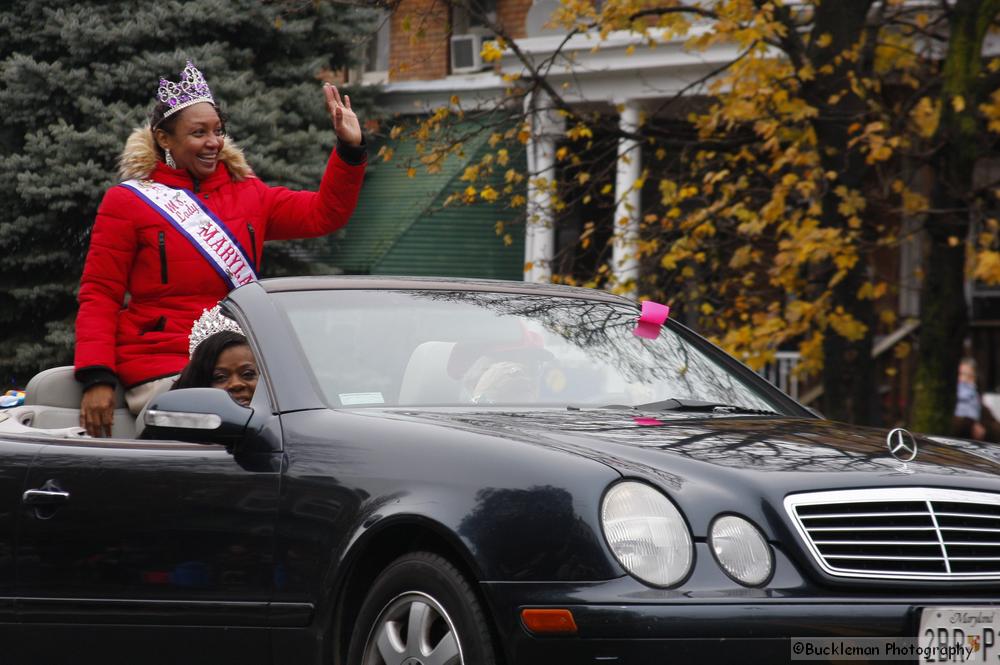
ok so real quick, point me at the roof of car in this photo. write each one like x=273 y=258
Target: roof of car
x=334 y=282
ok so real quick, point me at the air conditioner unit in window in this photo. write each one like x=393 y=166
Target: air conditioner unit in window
x=465 y=53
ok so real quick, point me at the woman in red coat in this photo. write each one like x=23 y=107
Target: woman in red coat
x=185 y=227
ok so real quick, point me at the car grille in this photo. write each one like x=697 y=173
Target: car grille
x=914 y=533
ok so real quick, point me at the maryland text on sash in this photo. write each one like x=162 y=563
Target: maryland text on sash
x=204 y=230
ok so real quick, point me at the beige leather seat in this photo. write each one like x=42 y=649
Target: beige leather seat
x=52 y=401
x=426 y=379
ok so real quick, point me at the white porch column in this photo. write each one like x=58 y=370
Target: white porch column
x=540 y=230
x=625 y=262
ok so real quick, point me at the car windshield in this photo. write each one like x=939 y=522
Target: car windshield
x=458 y=348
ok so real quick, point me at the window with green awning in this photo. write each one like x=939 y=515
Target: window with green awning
x=402 y=227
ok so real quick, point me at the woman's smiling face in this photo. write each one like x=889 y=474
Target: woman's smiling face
x=196 y=140
x=236 y=373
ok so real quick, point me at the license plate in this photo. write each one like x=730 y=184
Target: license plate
x=959 y=635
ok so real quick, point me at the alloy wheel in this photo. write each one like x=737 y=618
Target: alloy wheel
x=413 y=629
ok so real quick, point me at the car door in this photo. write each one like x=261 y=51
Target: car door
x=165 y=547
x=17 y=453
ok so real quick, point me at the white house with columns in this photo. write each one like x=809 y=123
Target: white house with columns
x=614 y=78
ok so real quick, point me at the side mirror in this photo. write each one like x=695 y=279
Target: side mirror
x=196 y=415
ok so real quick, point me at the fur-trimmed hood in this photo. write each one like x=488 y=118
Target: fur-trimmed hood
x=139 y=157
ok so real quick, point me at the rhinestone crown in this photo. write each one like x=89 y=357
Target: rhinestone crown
x=210 y=322
x=191 y=89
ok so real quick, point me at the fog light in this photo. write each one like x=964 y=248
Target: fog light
x=741 y=550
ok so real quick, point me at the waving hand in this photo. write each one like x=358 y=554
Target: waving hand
x=345 y=123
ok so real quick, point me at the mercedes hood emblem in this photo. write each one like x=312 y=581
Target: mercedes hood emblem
x=901 y=444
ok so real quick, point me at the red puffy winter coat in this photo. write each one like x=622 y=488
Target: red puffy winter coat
x=134 y=250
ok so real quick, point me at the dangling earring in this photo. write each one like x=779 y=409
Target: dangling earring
x=169 y=159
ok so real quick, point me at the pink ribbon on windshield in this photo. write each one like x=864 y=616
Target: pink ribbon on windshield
x=651 y=319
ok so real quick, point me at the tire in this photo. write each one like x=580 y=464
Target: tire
x=421 y=610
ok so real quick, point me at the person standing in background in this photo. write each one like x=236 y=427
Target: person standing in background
x=972 y=420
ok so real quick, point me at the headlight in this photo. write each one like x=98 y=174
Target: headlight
x=741 y=550
x=647 y=534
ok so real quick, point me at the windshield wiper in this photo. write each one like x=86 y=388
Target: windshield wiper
x=678 y=404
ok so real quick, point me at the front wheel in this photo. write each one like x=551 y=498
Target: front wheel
x=421 y=611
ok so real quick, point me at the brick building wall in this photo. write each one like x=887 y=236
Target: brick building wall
x=419 y=32
x=511 y=14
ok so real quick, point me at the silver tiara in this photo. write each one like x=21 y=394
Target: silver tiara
x=210 y=322
x=191 y=89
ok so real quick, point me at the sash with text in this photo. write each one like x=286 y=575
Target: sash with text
x=204 y=230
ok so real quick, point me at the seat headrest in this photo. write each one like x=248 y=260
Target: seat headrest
x=57 y=386
x=426 y=379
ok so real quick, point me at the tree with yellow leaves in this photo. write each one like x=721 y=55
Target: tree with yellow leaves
x=966 y=100
x=773 y=187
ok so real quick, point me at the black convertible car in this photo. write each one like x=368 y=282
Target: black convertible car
x=436 y=472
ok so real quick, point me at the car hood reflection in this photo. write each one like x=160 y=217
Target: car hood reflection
x=747 y=444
